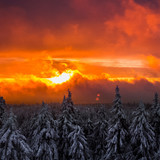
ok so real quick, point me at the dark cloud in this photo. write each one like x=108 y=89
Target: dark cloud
x=54 y=24
x=103 y=27
x=55 y=11
x=152 y=4
x=86 y=91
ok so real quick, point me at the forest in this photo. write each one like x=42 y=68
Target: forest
x=80 y=132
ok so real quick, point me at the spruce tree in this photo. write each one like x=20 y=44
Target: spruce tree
x=26 y=126
x=13 y=144
x=155 y=118
x=99 y=135
x=142 y=135
x=88 y=131
x=79 y=149
x=66 y=124
x=155 y=104
x=63 y=106
x=69 y=104
x=44 y=136
x=2 y=109
x=117 y=137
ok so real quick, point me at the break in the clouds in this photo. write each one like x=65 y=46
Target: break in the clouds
x=83 y=89
x=37 y=80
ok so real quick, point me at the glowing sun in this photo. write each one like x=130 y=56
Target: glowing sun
x=61 y=78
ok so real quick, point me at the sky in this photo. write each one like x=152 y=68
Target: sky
x=88 y=46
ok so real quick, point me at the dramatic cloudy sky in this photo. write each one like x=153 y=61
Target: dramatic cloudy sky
x=89 y=46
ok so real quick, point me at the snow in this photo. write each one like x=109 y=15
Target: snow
x=88 y=135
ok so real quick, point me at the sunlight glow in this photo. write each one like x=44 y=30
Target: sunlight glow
x=124 y=63
x=61 y=78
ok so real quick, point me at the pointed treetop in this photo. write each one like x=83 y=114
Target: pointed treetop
x=117 y=100
x=69 y=99
x=141 y=106
x=63 y=105
x=156 y=98
x=12 y=122
x=156 y=94
x=64 y=98
x=2 y=101
x=117 y=89
x=44 y=107
x=69 y=94
x=141 y=113
x=117 y=92
x=117 y=108
x=67 y=103
x=43 y=104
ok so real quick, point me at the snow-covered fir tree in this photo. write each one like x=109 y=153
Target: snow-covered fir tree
x=26 y=126
x=69 y=104
x=155 y=102
x=44 y=136
x=5 y=116
x=142 y=136
x=117 y=137
x=13 y=144
x=157 y=155
x=88 y=129
x=68 y=107
x=66 y=124
x=99 y=135
x=155 y=118
x=2 y=109
x=154 y=108
x=82 y=134
x=63 y=106
x=79 y=149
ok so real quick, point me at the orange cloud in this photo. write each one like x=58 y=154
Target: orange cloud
x=83 y=89
x=153 y=62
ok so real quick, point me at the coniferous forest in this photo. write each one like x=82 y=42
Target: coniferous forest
x=75 y=132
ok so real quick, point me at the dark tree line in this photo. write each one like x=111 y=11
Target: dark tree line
x=75 y=135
